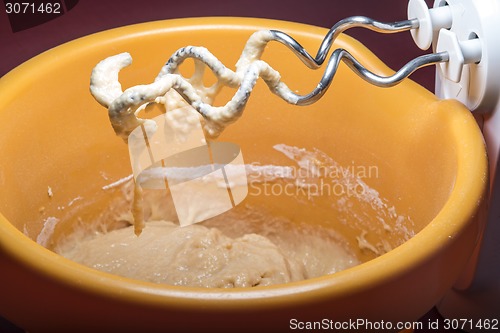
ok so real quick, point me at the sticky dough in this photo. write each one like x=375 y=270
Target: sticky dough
x=179 y=95
x=193 y=256
x=170 y=87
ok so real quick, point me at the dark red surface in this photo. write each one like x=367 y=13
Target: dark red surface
x=84 y=17
x=87 y=17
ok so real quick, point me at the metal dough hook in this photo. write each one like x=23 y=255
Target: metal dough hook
x=356 y=66
x=123 y=106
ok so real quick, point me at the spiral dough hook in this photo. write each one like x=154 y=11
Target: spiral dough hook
x=124 y=106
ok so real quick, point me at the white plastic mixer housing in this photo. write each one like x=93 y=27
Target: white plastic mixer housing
x=469 y=30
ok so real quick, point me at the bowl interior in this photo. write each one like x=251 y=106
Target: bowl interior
x=395 y=150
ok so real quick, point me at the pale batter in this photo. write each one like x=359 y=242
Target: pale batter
x=244 y=247
x=193 y=256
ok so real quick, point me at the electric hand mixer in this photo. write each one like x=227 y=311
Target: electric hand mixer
x=465 y=38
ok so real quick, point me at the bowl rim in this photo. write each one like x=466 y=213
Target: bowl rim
x=458 y=208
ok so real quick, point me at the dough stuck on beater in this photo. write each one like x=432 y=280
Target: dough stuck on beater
x=174 y=91
x=179 y=96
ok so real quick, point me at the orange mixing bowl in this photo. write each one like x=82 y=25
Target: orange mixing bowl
x=429 y=156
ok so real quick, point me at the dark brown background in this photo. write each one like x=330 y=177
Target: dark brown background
x=85 y=17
